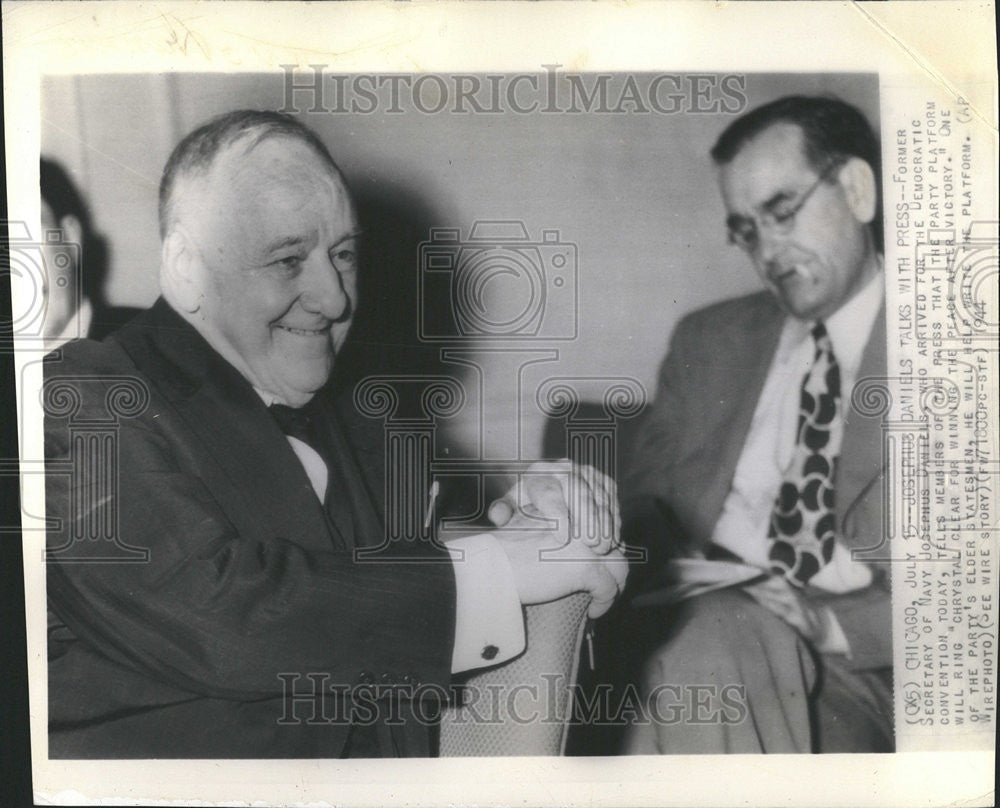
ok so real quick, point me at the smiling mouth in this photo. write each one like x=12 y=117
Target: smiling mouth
x=306 y=332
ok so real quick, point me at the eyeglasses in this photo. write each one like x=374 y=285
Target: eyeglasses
x=778 y=215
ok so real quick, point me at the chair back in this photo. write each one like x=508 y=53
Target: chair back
x=523 y=707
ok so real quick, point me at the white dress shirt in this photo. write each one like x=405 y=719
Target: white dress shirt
x=770 y=443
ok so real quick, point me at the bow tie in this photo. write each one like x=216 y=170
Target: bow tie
x=295 y=422
x=305 y=424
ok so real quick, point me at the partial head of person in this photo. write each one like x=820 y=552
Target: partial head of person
x=800 y=182
x=260 y=248
x=65 y=222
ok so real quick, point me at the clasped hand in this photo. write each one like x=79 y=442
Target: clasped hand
x=559 y=527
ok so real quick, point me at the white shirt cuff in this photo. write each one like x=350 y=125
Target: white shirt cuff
x=489 y=621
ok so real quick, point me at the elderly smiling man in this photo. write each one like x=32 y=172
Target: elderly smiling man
x=249 y=489
x=753 y=452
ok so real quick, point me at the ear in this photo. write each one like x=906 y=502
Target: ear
x=181 y=271
x=72 y=229
x=858 y=181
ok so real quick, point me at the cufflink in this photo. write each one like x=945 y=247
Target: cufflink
x=490 y=652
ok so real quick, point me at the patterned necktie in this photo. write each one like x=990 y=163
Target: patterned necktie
x=803 y=521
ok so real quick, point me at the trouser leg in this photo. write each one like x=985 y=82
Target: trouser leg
x=853 y=709
x=747 y=680
x=793 y=700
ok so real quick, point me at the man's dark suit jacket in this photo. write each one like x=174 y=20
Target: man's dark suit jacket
x=681 y=466
x=108 y=319
x=247 y=576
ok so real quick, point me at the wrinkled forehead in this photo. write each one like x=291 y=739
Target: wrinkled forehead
x=770 y=163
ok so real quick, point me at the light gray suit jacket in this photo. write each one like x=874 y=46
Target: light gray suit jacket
x=680 y=466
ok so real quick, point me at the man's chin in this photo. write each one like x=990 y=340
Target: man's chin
x=801 y=305
x=297 y=396
x=298 y=389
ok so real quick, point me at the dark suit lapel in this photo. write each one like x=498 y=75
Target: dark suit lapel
x=254 y=455
x=861 y=450
x=366 y=440
x=358 y=446
x=254 y=471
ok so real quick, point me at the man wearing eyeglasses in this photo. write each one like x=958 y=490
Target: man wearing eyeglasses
x=753 y=453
